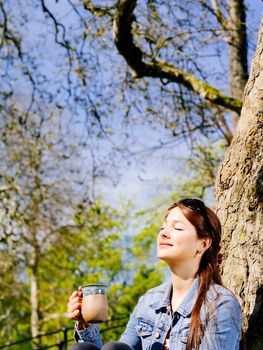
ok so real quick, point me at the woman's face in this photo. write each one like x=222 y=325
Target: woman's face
x=177 y=241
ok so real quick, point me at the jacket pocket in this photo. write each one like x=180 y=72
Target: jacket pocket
x=145 y=329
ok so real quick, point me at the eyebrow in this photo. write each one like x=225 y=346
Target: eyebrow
x=175 y=222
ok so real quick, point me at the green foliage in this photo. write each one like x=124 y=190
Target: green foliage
x=60 y=111
x=202 y=168
x=14 y=299
x=88 y=251
x=91 y=248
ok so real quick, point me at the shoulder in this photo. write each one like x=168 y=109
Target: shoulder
x=219 y=293
x=162 y=288
x=222 y=302
x=156 y=293
x=222 y=319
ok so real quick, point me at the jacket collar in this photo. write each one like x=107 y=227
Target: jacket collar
x=164 y=299
x=186 y=306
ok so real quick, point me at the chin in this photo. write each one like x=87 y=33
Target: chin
x=159 y=256
x=163 y=257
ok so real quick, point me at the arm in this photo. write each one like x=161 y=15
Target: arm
x=89 y=334
x=84 y=332
x=130 y=335
x=223 y=328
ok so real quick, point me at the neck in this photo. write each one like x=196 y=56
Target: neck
x=183 y=274
x=181 y=284
x=182 y=280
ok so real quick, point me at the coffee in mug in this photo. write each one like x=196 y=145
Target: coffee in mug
x=94 y=302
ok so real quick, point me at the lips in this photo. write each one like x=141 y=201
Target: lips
x=165 y=245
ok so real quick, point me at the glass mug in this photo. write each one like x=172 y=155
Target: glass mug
x=94 y=306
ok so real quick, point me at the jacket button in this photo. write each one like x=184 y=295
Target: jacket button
x=157 y=335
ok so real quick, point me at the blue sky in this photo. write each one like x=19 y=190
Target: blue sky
x=138 y=179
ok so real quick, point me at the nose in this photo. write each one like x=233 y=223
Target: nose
x=165 y=232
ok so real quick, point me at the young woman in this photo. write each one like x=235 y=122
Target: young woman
x=191 y=311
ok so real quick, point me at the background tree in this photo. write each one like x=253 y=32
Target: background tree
x=145 y=60
x=41 y=188
x=73 y=75
x=52 y=242
x=34 y=197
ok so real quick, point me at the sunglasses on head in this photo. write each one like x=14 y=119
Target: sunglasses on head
x=197 y=205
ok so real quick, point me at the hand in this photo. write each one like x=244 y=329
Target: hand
x=74 y=309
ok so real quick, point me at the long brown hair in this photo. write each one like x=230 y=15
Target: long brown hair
x=207 y=224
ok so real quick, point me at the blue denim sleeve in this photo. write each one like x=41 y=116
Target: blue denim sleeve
x=130 y=335
x=223 y=329
x=90 y=334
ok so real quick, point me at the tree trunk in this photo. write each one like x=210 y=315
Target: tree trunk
x=239 y=193
x=35 y=328
x=237 y=51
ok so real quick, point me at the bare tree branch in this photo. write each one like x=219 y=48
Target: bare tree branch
x=98 y=10
x=218 y=13
x=7 y=33
x=58 y=25
x=133 y=55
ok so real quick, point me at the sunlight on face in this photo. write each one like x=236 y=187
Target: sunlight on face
x=177 y=241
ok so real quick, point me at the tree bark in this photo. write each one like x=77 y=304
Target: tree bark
x=239 y=193
x=35 y=327
x=237 y=51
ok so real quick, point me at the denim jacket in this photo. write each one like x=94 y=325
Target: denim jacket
x=152 y=319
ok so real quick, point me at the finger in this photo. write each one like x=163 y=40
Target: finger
x=74 y=301
x=74 y=315
x=73 y=295
x=73 y=307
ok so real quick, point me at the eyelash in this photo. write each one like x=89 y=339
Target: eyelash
x=175 y=228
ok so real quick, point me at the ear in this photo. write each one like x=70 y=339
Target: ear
x=205 y=243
